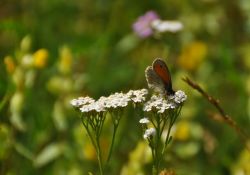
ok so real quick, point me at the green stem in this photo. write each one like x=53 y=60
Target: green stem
x=167 y=138
x=99 y=156
x=88 y=132
x=96 y=124
x=155 y=170
x=116 y=121
x=112 y=143
x=173 y=118
x=163 y=125
x=153 y=150
x=158 y=145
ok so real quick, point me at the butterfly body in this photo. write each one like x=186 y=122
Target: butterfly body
x=159 y=78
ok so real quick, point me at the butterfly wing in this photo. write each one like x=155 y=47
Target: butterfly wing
x=160 y=68
x=154 y=81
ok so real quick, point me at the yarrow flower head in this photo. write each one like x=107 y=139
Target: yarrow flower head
x=161 y=104
x=138 y=96
x=81 y=101
x=104 y=103
x=144 y=120
x=166 y=26
x=142 y=27
x=114 y=101
x=157 y=103
x=93 y=107
x=180 y=96
x=149 y=132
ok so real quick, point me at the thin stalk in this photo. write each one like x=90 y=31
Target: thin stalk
x=167 y=138
x=173 y=118
x=99 y=156
x=115 y=123
x=112 y=143
x=163 y=125
x=101 y=122
x=96 y=124
x=153 y=150
x=89 y=134
x=157 y=147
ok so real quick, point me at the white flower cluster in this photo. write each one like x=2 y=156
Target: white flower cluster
x=138 y=96
x=81 y=101
x=117 y=100
x=180 y=96
x=93 y=107
x=144 y=120
x=160 y=104
x=149 y=132
x=162 y=26
x=114 y=100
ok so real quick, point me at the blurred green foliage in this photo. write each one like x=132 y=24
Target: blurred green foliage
x=85 y=47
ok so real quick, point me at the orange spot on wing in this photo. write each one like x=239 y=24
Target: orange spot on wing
x=163 y=73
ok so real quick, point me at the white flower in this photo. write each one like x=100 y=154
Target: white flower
x=172 y=105
x=149 y=132
x=81 y=101
x=87 y=108
x=99 y=107
x=180 y=96
x=137 y=96
x=95 y=106
x=114 y=100
x=166 y=26
x=75 y=102
x=144 y=120
x=148 y=106
x=159 y=104
x=117 y=100
x=164 y=107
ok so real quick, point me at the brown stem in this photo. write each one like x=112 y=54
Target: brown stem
x=215 y=102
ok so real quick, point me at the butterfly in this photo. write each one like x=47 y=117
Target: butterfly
x=158 y=77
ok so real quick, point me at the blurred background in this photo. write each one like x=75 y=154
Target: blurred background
x=54 y=50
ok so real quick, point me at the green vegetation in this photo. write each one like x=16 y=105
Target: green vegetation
x=54 y=51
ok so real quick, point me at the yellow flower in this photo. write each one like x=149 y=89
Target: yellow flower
x=40 y=58
x=10 y=65
x=182 y=132
x=192 y=55
x=65 y=60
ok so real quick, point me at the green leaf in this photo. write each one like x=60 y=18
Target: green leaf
x=22 y=150
x=48 y=154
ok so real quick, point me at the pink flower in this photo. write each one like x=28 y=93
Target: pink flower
x=142 y=27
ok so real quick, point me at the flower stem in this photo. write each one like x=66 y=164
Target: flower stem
x=94 y=132
x=99 y=156
x=116 y=121
x=89 y=133
x=157 y=146
x=112 y=143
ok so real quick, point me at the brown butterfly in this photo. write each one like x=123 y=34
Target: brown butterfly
x=158 y=77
